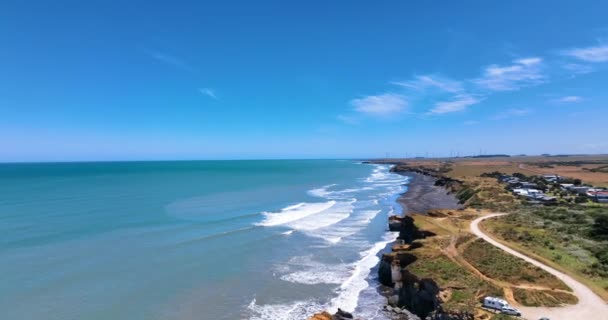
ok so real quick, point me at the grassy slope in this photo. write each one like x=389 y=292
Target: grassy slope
x=465 y=288
x=550 y=246
x=502 y=266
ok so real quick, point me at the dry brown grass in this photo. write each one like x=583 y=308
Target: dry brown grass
x=466 y=168
x=546 y=298
x=594 y=178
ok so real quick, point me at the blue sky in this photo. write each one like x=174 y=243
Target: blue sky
x=107 y=80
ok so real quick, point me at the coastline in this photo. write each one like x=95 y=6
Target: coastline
x=423 y=195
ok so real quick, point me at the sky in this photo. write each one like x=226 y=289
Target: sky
x=145 y=80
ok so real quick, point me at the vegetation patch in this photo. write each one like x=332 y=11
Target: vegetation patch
x=544 y=298
x=573 y=239
x=502 y=266
x=466 y=288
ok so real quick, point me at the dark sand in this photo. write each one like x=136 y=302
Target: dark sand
x=422 y=195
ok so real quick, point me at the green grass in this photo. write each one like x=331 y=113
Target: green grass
x=544 y=298
x=558 y=236
x=502 y=266
x=466 y=288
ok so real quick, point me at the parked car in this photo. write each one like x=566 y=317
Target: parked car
x=510 y=311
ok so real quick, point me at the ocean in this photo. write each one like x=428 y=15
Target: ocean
x=276 y=239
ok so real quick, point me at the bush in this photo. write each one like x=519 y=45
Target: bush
x=599 y=229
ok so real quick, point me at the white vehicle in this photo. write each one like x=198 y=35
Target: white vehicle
x=495 y=303
x=500 y=305
x=511 y=311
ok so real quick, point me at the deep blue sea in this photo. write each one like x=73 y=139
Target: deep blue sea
x=192 y=239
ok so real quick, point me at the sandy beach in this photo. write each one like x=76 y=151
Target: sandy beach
x=422 y=195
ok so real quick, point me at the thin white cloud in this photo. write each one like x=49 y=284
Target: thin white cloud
x=511 y=113
x=168 y=59
x=428 y=81
x=577 y=68
x=459 y=103
x=570 y=99
x=348 y=119
x=380 y=105
x=589 y=54
x=521 y=73
x=208 y=92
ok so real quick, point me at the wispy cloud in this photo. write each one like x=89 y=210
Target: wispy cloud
x=511 y=113
x=470 y=122
x=577 y=68
x=428 y=81
x=208 y=92
x=570 y=99
x=459 y=103
x=168 y=59
x=380 y=105
x=589 y=54
x=348 y=119
x=521 y=73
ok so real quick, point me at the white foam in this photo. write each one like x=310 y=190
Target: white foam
x=293 y=311
x=322 y=192
x=305 y=270
x=336 y=233
x=333 y=214
x=293 y=213
x=337 y=221
x=348 y=292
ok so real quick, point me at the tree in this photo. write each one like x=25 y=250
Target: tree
x=599 y=229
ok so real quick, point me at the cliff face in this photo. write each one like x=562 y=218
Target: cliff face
x=420 y=296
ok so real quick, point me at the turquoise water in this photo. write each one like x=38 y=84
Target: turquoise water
x=191 y=239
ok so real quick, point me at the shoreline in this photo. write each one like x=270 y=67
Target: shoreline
x=423 y=195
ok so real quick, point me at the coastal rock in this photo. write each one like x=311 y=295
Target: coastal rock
x=408 y=231
x=396 y=273
x=342 y=315
x=384 y=270
x=420 y=296
x=339 y=315
x=393 y=300
x=394 y=223
x=390 y=266
x=321 y=316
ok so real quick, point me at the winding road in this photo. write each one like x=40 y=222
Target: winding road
x=589 y=307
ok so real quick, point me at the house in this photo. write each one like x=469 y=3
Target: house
x=547 y=199
x=551 y=177
x=524 y=192
x=506 y=178
x=513 y=181
x=528 y=185
x=566 y=186
x=580 y=189
x=598 y=195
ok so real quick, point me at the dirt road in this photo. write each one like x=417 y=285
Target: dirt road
x=589 y=306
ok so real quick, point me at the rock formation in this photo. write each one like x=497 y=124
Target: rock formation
x=340 y=315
